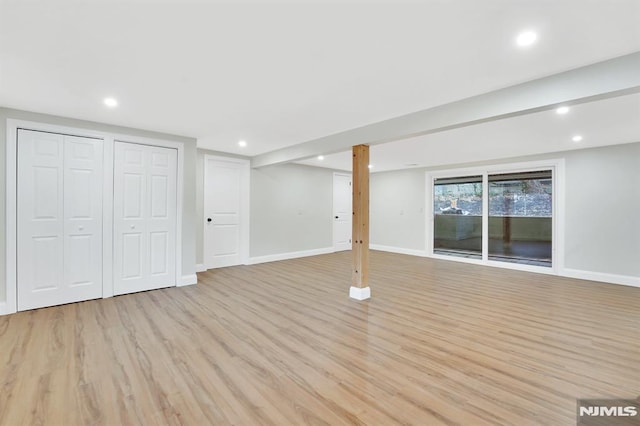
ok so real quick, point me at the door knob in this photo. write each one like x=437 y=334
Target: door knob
x=208 y=219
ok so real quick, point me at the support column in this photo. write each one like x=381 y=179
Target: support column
x=360 y=224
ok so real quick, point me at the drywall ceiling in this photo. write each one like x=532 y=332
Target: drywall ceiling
x=276 y=74
x=607 y=122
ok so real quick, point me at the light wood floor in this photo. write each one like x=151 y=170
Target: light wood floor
x=281 y=343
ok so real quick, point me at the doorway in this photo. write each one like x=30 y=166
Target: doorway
x=226 y=211
x=342 y=212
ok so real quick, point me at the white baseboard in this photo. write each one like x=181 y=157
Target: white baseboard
x=569 y=273
x=360 y=293
x=602 y=277
x=400 y=250
x=188 y=280
x=4 y=309
x=287 y=256
x=200 y=267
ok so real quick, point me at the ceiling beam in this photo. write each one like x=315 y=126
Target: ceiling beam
x=614 y=77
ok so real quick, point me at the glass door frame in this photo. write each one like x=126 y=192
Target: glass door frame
x=556 y=166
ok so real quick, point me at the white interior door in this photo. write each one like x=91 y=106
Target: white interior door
x=145 y=209
x=59 y=210
x=342 y=212
x=223 y=193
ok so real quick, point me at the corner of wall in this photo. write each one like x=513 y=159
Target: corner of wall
x=187 y=280
x=601 y=277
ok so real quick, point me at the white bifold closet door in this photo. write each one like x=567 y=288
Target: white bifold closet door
x=59 y=209
x=145 y=209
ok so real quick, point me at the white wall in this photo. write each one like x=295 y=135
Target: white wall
x=397 y=209
x=602 y=210
x=291 y=209
x=189 y=198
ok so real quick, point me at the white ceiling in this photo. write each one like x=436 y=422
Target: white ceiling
x=608 y=122
x=281 y=73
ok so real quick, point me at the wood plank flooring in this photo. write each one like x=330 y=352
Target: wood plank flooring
x=281 y=343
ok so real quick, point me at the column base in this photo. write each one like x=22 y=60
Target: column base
x=360 y=293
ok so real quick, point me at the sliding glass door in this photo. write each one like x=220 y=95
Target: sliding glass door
x=495 y=216
x=457 y=207
x=520 y=217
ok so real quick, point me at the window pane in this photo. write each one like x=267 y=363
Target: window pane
x=457 y=218
x=520 y=217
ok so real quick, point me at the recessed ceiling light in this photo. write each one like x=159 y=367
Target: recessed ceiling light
x=562 y=110
x=111 y=102
x=576 y=138
x=526 y=38
x=242 y=143
x=320 y=157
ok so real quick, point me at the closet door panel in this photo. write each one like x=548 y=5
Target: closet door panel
x=83 y=216
x=40 y=219
x=59 y=210
x=144 y=217
x=162 y=214
x=130 y=192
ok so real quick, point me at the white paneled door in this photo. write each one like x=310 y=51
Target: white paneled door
x=342 y=214
x=59 y=219
x=145 y=209
x=223 y=191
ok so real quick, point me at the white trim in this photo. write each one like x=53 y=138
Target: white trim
x=200 y=267
x=54 y=128
x=186 y=280
x=289 y=255
x=602 y=277
x=245 y=203
x=360 y=293
x=522 y=166
x=485 y=217
x=428 y=214
x=107 y=255
x=4 y=309
x=400 y=250
x=460 y=259
x=11 y=303
x=557 y=165
x=107 y=219
x=559 y=214
x=495 y=264
x=546 y=270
